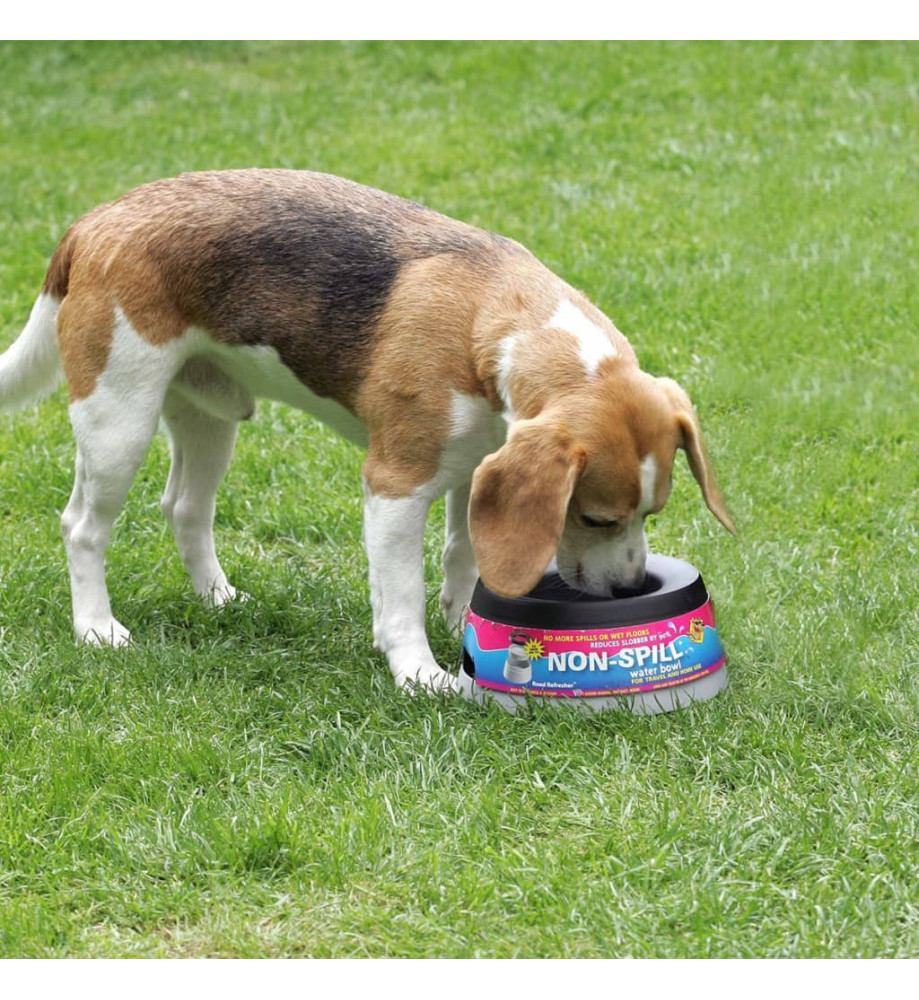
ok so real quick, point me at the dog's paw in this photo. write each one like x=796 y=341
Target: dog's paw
x=454 y=611
x=454 y=600
x=223 y=594
x=425 y=680
x=111 y=633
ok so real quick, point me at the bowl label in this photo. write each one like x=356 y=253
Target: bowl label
x=594 y=662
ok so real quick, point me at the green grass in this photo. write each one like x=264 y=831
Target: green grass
x=249 y=783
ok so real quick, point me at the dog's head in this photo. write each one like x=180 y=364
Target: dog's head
x=577 y=482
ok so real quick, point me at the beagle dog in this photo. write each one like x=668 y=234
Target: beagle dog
x=462 y=364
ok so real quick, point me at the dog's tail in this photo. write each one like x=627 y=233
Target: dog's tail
x=30 y=368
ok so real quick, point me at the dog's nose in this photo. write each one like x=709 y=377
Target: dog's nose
x=629 y=588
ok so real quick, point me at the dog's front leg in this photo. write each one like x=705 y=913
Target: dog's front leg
x=460 y=573
x=394 y=539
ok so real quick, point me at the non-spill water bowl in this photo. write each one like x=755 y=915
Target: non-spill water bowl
x=650 y=652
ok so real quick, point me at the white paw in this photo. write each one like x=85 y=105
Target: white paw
x=427 y=679
x=222 y=594
x=454 y=611
x=453 y=603
x=111 y=633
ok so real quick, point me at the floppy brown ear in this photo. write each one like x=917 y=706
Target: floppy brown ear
x=519 y=502
x=692 y=442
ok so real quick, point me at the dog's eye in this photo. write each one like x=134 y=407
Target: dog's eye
x=593 y=522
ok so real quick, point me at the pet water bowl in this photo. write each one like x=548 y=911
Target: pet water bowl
x=651 y=652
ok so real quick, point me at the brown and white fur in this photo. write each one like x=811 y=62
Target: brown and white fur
x=463 y=365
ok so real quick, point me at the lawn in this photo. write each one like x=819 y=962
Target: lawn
x=249 y=783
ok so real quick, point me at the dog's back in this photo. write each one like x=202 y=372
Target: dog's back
x=300 y=262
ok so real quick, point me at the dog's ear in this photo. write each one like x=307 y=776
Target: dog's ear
x=692 y=442
x=519 y=502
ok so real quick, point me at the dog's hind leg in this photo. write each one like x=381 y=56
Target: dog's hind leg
x=202 y=446
x=114 y=418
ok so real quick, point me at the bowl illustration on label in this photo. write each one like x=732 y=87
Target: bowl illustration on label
x=517 y=669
